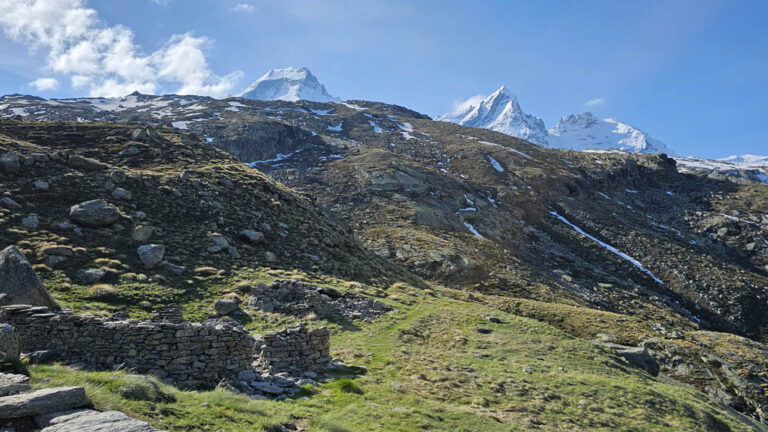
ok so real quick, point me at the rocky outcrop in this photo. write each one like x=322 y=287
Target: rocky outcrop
x=638 y=357
x=42 y=402
x=19 y=284
x=95 y=213
x=62 y=409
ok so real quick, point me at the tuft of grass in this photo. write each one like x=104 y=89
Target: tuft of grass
x=346 y=385
x=102 y=292
x=13 y=366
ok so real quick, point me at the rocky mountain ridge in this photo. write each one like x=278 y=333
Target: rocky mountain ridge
x=289 y=84
x=501 y=112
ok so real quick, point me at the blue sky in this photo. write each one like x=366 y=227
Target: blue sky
x=691 y=73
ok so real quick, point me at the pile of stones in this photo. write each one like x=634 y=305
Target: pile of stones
x=292 y=297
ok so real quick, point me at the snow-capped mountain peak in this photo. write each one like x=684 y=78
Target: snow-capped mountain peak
x=289 y=84
x=587 y=132
x=500 y=111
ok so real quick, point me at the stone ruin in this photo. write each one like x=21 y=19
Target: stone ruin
x=294 y=349
x=190 y=354
x=299 y=299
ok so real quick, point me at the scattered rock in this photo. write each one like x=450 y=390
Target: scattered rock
x=41 y=185
x=185 y=175
x=117 y=176
x=142 y=233
x=635 y=356
x=122 y=194
x=30 y=222
x=10 y=163
x=19 y=284
x=94 y=213
x=85 y=164
x=253 y=237
x=90 y=420
x=270 y=256
x=225 y=306
x=9 y=203
x=151 y=254
x=89 y=276
x=55 y=261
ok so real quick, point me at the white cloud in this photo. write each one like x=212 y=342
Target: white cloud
x=105 y=59
x=243 y=7
x=594 y=102
x=44 y=84
x=459 y=106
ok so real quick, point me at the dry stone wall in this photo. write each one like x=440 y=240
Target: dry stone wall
x=294 y=349
x=188 y=353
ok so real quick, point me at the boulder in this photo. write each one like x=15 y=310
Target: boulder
x=253 y=237
x=151 y=254
x=142 y=233
x=42 y=357
x=89 y=276
x=9 y=343
x=86 y=164
x=122 y=194
x=91 y=421
x=225 y=306
x=10 y=163
x=117 y=176
x=94 y=213
x=43 y=402
x=30 y=222
x=19 y=284
x=635 y=356
x=9 y=203
x=11 y=384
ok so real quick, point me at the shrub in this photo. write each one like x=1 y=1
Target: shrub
x=141 y=388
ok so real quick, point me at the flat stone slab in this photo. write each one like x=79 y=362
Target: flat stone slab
x=11 y=384
x=92 y=421
x=43 y=402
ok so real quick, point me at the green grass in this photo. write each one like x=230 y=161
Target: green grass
x=428 y=368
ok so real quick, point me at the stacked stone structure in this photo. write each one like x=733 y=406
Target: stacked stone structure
x=294 y=349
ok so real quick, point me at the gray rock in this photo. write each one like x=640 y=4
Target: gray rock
x=55 y=261
x=41 y=185
x=225 y=306
x=142 y=233
x=11 y=384
x=90 y=276
x=85 y=164
x=42 y=402
x=635 y=356
x=30 y=222
x=117 y=176
x=151 y=254
x=9 y=203
x=42 y=357
x=9 y=343
x=139 y=216
x=270 y=256
x=253 y=237
x=269 y=388
x=93 y=421
x=219 y=241
x=19 y=284
x=122 y=194
x=185 y=175
x=233 y=252
x=94 y=213
x=10 y=163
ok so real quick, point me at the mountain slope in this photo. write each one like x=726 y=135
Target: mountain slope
x=289 y=84
x=673 y=254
